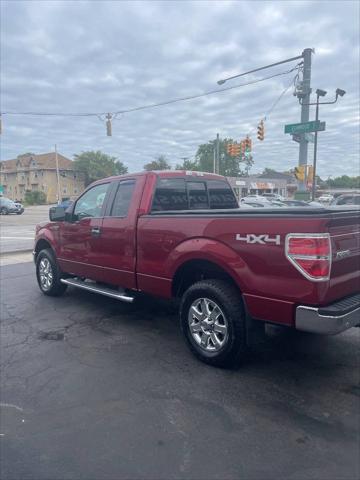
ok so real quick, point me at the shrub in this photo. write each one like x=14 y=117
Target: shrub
x=35 y=197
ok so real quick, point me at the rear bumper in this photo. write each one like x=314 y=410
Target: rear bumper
x=329 y=320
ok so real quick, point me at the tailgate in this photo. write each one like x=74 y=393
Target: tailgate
x=344 y=229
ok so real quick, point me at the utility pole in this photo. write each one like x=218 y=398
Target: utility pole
x=217 y=154
x=305 y=95
x=57 y=176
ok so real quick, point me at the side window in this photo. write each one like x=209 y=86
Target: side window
x=221 y=195
x=90 y=204
x=170 y=194
x=198 y=198
x=344 y=201
x=120 y=206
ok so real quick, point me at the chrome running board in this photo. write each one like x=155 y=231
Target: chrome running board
x=93 y=287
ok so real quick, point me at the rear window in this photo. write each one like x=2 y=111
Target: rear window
x=198 y=196
x=179 y=194
x=221 y=195
x=170 y=194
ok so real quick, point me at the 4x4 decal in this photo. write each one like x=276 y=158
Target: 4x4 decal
x=263 y=239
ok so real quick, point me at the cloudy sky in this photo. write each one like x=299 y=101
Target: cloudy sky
x=108 y=56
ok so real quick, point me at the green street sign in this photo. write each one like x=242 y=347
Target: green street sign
x=306 y=127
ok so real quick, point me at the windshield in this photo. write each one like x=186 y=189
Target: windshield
x=6 y=201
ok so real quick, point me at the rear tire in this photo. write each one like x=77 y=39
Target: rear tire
x=212 y=320
x=48 y=274
x=4 y=211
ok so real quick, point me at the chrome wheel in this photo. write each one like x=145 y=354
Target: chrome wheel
x=45 y=274
x=208 y=325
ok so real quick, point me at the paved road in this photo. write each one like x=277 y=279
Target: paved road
x=95 y=389
x=17 y=231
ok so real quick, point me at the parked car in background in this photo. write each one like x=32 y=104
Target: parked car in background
x=295 y=203
x=314 y=203
x=347 y=199
x=326 y=198
x=7 y=206
x=66 y=203
x=250 y=204
x=273 y=196
x=260 y=201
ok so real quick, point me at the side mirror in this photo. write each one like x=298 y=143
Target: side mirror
x=57 y=214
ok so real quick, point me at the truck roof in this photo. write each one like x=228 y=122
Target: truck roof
x=165 y=174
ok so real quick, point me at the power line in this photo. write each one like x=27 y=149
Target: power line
x=272 y=108
x=153 y=105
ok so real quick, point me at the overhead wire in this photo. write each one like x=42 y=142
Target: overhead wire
x=277 y=101
x=152 y=105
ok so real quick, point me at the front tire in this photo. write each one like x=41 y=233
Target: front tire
x=48 y=274
x=212 y=320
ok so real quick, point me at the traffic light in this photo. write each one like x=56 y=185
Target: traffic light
x=300 y=172
x=108 y=125
x=261 y=131
x=236 y=149
x=310 y=174
x=233 y=149
x=248 y=144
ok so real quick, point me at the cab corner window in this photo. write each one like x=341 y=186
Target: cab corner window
x=170 y=194
x=221 y=195
x=91 y=203
x=121 y=204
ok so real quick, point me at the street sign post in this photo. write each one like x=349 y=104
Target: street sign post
x=306 y=127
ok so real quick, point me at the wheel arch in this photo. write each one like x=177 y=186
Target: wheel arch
x=42 y=244
x=196 y=269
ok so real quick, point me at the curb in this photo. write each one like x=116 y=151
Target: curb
x=16 y=252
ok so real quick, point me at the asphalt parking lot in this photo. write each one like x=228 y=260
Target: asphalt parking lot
x=17 y=231
x=95 y=389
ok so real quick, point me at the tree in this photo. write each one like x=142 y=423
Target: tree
x=229 y=166
x=161 y=163
x=266 y=171
x=344 y=182
x=190 y=165
x=97 y=165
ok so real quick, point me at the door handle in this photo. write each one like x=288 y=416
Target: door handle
x=95 y=231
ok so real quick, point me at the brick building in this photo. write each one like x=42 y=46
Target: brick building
x=38 y=173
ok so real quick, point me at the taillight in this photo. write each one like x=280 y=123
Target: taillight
x=310 y=254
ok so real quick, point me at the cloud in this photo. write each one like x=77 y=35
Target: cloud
x=92 y=56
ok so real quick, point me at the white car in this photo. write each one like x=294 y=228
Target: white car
x=253 y=199
x=273 y=196
x=326 y=198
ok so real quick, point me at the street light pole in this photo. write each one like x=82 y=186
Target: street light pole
x=320 y=93
x=313 y=187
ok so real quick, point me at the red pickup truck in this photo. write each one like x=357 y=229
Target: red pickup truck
x=182 y=234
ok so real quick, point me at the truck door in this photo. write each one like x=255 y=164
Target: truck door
x=80 y=237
